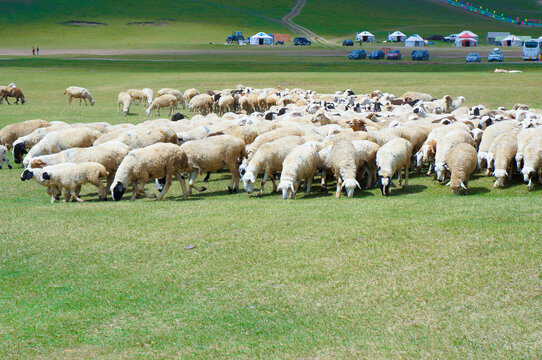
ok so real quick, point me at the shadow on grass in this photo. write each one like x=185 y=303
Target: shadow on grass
x=410 y=189
x=477 y=190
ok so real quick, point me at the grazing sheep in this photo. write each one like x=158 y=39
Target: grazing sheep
x=63 y=139
x=177 y=117
x=344 y=162
x=489 y=135
x=12 y=132
x=523 y=139
x=23 y=143
x=163 y=101
x=427 y=154
x=268 y=159
x=503 y=151
x=109 y=154
x=212 y=154
x=366 y=151
x=201 y=104
x=137 y=94
x=140 y=137
x=149 y=94
x=300 y=164
x=151 y=162
x=446 y=143
x=532 y=161
x=226 y=104
x=414 y=95
x=71 y=177
x=3 y=157
x=174 y=92
x=14 y=93
x=461 y=162
x=392 y=157
x=124 y=99
x=189 y=94
x=79 y=93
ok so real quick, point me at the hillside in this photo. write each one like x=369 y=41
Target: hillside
x=195 y=24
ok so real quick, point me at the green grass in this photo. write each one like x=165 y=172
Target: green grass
x=422 y=274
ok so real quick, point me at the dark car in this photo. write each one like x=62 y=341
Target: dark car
x=377 y=54
x=301 y=41
x=473 y=57
x=348 y=43
x=394 y=55
x=420 y=55
x=357 y=55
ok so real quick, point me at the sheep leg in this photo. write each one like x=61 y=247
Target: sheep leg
x=206 y=178
x=135 y=192
x=165 y=188
x=7 y=102
x=193 y=175
x=110 y=179
x=142 y=189
x=309 y=184
x=400 y=176
x=264 y=179
x=180 y=177
x=274 y=183
x=234 y=178
x=102 y=195
x=67 y=195
x=339 y=185
x=323 y=183
x=296 y=187
x=406 y=177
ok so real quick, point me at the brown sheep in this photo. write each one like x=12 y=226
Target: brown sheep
x=14 y=93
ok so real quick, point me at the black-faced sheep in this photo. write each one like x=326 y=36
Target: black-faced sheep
x=12 y=132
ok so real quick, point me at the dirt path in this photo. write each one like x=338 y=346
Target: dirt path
x=300 y=30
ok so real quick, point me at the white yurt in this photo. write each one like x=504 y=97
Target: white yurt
x=397 y=36
x=414 y=40
x=511 y=40
x=365 y=36
x=468 y=34
x=261 y=38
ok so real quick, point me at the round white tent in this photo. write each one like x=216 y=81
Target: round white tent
x=397 y=36
x=365 y=36
x=261 y=38
x=468 y=34
x=511 y=40
x=414 y=40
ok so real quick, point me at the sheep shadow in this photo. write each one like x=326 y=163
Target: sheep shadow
x=478 y=190
x=410 y=189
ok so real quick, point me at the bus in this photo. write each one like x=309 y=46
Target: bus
x=531 y=49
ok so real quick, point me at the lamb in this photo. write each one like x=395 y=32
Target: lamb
x=532 y=159
x=3 y=157
x=523 y=139
x=201 y=104
x=61 y=140
x=109 y=154
x=446 y=143
x=489 y=136
x=344 y=161
x=268 y=159
x=13 y=92
x=503 y=151
x=174 y=92
x=71 y=176
x=137 y=94
x=12 y=132
x=189 y=94
x=392 y=157
x=52 y=190
x=79 y=93
x=211 y=154
x=124 y=99
x=300 y=164
x=151 y=162
x=461 y=162
x=163 y=101
x=149 y=94
x=26 y=142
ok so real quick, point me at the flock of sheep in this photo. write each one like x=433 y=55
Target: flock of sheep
x=367 y=138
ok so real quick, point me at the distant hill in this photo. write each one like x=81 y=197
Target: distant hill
x=192 y=24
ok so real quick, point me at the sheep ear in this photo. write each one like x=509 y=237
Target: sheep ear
x=292 y=187
x=357 y=183
x=463 y=185
x=449 y=183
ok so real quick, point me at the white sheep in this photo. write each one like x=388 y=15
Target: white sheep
x=140 y=137
x=366 y=151
x=532 y=161
x=179 y=95
x=444 y=144
x=344 y=162
x=149 y=94
x=523 y=138
x=299 y=165
x=3 y=157
x=163 y=101
x=10 y=133
x=63 y=139
x=489 y=135
x=23 y=143
x=71 y=176
x=268 y=159
x=461 y=162
x=201 y=104
x=189 y=94
x=79 y=93
x=124 y=99
x=137 y=94
x=151 y=162
x=503 y=151
x=392 y=157
x=225 y=104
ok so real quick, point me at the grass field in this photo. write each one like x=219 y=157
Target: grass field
x=421 y=274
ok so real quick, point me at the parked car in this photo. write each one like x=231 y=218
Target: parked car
x=420 y=55
x=301 y=41
x=348 y=43
x=450 y=38
x=377 y=54
x=473 y=57
x=357 y=55
x=394 y=55
x=495 y=55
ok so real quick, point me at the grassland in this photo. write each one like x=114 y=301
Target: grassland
x=422 y=274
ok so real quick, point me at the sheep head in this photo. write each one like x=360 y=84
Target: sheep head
x=288 y=190
x=350 y=186
x=117 y=190
x=248 y=181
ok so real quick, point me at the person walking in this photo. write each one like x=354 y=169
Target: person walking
x=37 y=50
x=33 y=50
